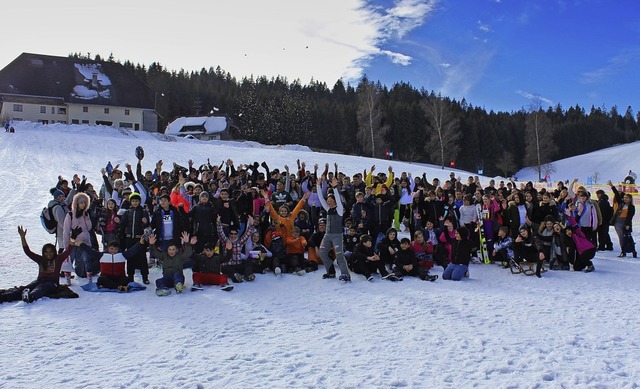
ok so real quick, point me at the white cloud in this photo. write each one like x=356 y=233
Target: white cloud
x=483 y=26
x=302 y=39
x=398 y=58
x=535 y=96
x=612 y=68
x=445 y=65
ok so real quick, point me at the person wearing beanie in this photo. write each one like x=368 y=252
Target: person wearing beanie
x=60 y=208
x=460 y=256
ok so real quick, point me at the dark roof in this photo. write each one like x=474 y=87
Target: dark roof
x=49 y=76
x=31 y=99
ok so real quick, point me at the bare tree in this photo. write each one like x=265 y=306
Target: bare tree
x=371 y=130
x=507 y=164
x=540 y=147
x=443 y=128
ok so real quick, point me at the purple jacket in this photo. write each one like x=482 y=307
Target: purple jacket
x=582 y=243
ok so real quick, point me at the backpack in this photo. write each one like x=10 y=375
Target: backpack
x=48 y=219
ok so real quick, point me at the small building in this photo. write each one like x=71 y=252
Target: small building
x=202 y=127
x=49 y=89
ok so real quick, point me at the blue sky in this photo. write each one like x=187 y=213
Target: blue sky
x=498 y=54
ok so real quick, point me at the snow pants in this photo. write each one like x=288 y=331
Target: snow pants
x=333 y=241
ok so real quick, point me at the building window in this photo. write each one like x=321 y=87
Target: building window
x=126 y=112
x=126 y=125
x=43 y=121
x=85 y=109
x=62 y=111
x=17 y=108
x=75 y=121
x=137 y=127
x=43 y=109
x=62 y=121
x=106 y=110
x=53 y=110
x=85 y=122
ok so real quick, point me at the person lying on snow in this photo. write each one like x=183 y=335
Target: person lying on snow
x=49 y=264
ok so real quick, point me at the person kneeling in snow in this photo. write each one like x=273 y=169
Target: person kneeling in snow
x=206 y=267
x=112 y=263
x=48 y=275
x=460 y=256
x=172 y=264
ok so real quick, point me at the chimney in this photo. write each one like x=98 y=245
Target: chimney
x=94 y=80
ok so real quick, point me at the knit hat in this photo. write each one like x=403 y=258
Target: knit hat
x=57 y=193
x=135 y=195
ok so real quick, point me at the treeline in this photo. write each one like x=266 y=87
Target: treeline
x=400 y=122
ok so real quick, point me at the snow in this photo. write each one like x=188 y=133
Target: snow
x=82 y=92
x=494 y=330
x=88 y=70
x=612 y=164
x=212 y=124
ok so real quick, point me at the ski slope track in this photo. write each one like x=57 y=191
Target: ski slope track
x=494 y=330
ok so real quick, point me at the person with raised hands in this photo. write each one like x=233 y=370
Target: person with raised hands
x=172 y=263
x=333 y=237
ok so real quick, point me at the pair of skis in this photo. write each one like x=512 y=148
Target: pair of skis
x=483 y=252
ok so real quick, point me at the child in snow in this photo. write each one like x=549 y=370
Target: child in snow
x=585 y=249
x=367 y=262
x=407 y=264
x=172 y=264
x=206 y=267
x=295 y=246
x=503 y=247
x=460 y=256
x=49 y=264
x=112 y=263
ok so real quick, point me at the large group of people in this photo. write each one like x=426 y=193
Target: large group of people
x=230 y=222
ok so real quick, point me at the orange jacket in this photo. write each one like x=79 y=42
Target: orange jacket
x=285 y=224
x=295 y=246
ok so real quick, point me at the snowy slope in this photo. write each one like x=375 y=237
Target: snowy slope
x=611 y=163
x=495 y=330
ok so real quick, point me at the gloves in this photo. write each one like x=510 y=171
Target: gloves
x=75 y=232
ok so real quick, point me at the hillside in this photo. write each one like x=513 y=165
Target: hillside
x=494 y=330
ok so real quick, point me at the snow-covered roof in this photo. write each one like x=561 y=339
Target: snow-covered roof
x=197 y=125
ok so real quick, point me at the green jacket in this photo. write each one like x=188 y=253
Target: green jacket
x=172 y=264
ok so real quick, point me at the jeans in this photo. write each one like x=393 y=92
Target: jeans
x=454 y=272
x=170 y=280
x=81 y=261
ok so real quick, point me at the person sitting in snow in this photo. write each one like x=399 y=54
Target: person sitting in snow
x=112 y=263
x=503 y=248
x=49 y=264
x=172 y=264
x=206 y=267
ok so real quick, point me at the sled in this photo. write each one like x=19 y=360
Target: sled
x=527 y=268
